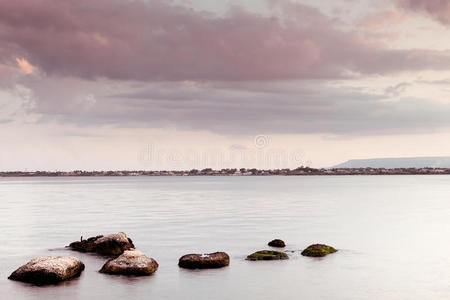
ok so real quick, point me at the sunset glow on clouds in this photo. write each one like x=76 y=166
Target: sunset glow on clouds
x=24 y=66
x=319 y=73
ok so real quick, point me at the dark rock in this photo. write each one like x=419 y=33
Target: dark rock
x=267 y=255
x=113 y=244
x=277 y=243
x=48 y=270
x=204 y=261
x=318 y=250
x=131 y=262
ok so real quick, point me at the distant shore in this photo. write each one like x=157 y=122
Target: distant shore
x=302 y=171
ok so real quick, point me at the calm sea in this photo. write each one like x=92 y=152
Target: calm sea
x=392 y=233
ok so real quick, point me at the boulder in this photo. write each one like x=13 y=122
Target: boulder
x=204 y=261
x=48 y=270
x=318 y=250
x=267 y=255
x=113 y=244
x=277 y=243
x=131 y=262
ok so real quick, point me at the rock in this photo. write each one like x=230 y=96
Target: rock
x=318 y=250
x=113 y=244
x=48 y=270
x=277 y=243
x=204 y=261
x=131 y=262
x=267 y=255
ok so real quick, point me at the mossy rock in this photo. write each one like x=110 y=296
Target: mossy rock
x=267 y=255
x=318 y=250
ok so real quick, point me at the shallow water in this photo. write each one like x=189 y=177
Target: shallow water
x=392 y=232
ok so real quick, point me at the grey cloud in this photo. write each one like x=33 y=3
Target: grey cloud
x=311 y=108
x=396 y=90
x=438 y=9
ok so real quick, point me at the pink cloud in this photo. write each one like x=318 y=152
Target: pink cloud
x=157 y=40
x=383 y=18
x=438 y=9
x=24 y=66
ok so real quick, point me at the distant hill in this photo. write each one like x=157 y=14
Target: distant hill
x=401 y=162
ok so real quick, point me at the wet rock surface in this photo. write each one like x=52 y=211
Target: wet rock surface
x=204 y=261
x=48 y=270
x=112 y=244
x=318 y=250
x=267 y=255
x=131 y=262
x=277 y=243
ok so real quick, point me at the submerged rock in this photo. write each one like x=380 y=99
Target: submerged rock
x=318 y=250
x=48 y=270
x=277 y=243
x=131 y=262
x=267 y=255
x=204 y=261
x=113 y=244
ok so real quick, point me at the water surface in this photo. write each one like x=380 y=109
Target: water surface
x=392 y=232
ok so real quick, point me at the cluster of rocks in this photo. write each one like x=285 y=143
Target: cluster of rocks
x=53 y=269
x=129 y=261
x=316 y=250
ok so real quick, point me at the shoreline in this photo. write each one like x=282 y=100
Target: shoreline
x=302 y=171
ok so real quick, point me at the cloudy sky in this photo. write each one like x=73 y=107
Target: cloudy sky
x=161 y=84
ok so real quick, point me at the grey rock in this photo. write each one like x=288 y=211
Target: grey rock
x=48 y=270
x=204 y=261
x=131 y=262
x=277 y=243
x=112 y=244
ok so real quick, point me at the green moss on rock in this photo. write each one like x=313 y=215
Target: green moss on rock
x=318 y=250
x=267 y=255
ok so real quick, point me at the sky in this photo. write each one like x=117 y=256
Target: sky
x=182 y=84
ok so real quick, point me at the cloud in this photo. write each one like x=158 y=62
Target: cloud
x=383 y=18
x=157 y=40
x=24 y=66
x=238 y=73
x=438 y=9
x=397 y=90
x=296 y=107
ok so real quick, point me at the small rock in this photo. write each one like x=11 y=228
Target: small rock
x=277 y=243
x=48 y=270
x=204 y=261
x=131 y=262
x=113 y=244
x=318 y=250
x=267 y=255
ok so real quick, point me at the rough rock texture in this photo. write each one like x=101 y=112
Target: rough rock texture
x=131 y=262
x=277 y=243
x=204 y=261
x=113 y=244
x=318 y=250
x=48 y=270
x=267 y=255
